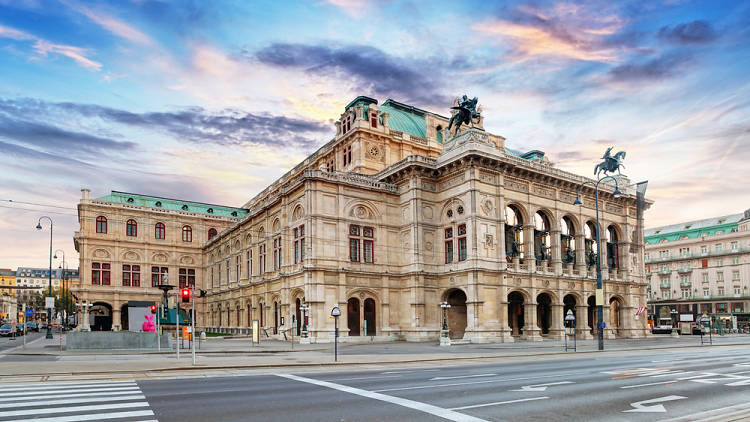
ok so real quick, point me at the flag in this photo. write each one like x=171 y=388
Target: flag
x=640 y=310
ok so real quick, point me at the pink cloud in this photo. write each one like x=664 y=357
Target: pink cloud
x=111 y=24
x=44 y=47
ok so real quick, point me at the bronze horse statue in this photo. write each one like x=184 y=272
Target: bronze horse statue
x=610 y=163
x=467 y=113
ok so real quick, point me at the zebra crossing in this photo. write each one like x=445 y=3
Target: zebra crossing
x=115 y=401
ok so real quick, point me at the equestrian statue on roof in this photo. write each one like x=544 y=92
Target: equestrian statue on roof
x=610 y=163
x=466 y=113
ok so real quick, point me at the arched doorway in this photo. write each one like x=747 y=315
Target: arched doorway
x=592 y=314
x=370 y=316
x=615 y=305
x=298 y=315
x=101 y=317
x=544 y=312
x=456 y=313
x=569 y=304
x=515 y=313
x=352 y=316
x=276 y=317
x=589 y=233
x=124 y=319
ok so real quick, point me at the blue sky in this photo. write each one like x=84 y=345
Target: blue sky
x=211 y=101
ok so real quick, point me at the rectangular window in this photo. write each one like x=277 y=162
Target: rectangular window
x=347 y=155
x=704 y=250
x=374 y=120
x=131 y=275
x=719 y=262
x=735 y=260
x=262 y=258
x=705 y=277
x=354 y=250
x=718 y=247
x=720 y=290
x=734 y=246
x=737 y=290
x=299 y=244
x=462 y=242
x=219 y=271
x=249 y=263
x=187 y=277
x=100 y=273
x=735 y=276
x=158 y=275
x=367 y=254
x=238 y=266
x=720 y=276
x=212 y=276
x=277 y=253
x=229 y=272
x=449 y=245
x=705 y=292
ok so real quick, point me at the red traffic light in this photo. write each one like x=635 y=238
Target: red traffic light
x=185 y=293
x=153 y=309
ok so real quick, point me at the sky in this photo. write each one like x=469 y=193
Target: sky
x=212 y=101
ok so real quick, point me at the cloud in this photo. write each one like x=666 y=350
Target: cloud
x=44 y=47
x=564 y=32
x=696 y=32
x=655 y=69
x=111 y=24
x=354 y=8
x=376 y=73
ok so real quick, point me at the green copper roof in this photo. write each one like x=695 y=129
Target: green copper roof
x=361 y=100
x=405 y=118
x=172 y=204
x=693 y=229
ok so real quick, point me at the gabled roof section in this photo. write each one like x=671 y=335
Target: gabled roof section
x=692 y=229
x=172 y=204
x=405 y=118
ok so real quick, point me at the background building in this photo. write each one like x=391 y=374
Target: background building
x=7 y=278
x=701 y=267
x=130 y=243
x=390 y=218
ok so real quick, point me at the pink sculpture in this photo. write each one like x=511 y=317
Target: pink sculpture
x=148 y=326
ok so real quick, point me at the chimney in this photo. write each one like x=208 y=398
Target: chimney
x=85 y=193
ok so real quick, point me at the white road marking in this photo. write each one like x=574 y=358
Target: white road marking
x=365 y=378
x=77 y=390
x=672 y=373
x=719 y=415
x=66 y=400
x=462 y=376
x=541 y=387
x=93 y=417
x=70 y=409
x=649 y=384
x=659 y=408
x=411 y=372
x=37 y=384
x=61 y=395
x=411 y=404
x=497 y=403
x=63 y=386
x=418 y=387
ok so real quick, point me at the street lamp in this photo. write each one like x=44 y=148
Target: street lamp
x=49 y=310
x=304 y=308
x=599 y=290
x=673 y=312
x=445 y=305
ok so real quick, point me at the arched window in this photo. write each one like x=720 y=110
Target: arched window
x=101 y=224
x=131 y=228
x=211 y=233
x=589 y=232
x=613 y=249
x=159 y=231
x=567 y=240
x=541 y=236
x=513 y=232
x=187 y=234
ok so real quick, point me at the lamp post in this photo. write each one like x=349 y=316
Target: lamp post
x=49 y=310
x=304 y=308
x=599 y=291
x=673 y=312
x=444 y=338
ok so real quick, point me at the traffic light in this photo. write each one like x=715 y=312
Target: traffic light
x=201 y=293
x=153 y=309
x=185 y=293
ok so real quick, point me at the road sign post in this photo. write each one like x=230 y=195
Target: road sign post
x=335 y=313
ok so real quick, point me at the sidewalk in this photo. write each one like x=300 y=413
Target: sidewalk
x=43 y=358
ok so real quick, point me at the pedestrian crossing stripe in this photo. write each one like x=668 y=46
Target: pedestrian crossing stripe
x=71 y=402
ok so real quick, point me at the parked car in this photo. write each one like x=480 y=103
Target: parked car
x=6 y=330
x=43 y=325
x=32 y=326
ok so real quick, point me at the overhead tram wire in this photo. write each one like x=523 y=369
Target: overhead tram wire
x=34 y=203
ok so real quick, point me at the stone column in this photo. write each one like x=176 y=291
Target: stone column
x=116 y=318
x=582 y=322
x=528 y=247
x=556 y=251
x=531 y=324
x=580 y=253
x=556 y=329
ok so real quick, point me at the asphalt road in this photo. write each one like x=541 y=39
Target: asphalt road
x=626 y=386
x=701 y=384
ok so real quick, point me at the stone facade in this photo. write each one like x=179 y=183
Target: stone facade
x=388 y=224
x=701 y=267
x=127 y=240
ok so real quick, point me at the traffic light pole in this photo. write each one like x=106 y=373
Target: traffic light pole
x=158 y=334
x=192 y=317
x=177 y=333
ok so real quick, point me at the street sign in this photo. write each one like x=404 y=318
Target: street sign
x=29 y=312
x=49 y=302
x=336 y=311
